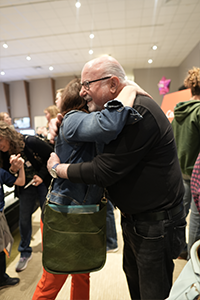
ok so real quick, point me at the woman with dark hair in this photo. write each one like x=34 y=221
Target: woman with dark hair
x=80 y=140
x=35 y=153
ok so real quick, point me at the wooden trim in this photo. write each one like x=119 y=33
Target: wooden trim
x=27 y=94
x=53 y=89
x=7 y=96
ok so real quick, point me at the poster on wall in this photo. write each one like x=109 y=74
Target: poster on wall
x=170 y=100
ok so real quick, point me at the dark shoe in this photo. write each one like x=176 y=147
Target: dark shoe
x=9 y=282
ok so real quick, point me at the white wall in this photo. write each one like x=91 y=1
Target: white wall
x=18 y=102
x=192 y=60
x=149 y=78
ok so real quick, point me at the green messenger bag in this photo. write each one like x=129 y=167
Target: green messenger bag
x=74 y=241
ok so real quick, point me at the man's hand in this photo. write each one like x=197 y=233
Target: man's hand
x=53 y=159
x=61 y=168
x=54 y=125
x=16 y=162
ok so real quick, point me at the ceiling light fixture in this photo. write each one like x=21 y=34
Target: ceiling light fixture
x=3 y=73
x=154 y=47
x=51 y=68
x=5 y=45
x=78 y=4
x=150 y=61
x=90 y=51
x=91 y=36
x=28 y=57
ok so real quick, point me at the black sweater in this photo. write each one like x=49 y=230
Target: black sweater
x=140 y=168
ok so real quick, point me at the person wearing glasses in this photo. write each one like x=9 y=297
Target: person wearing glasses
x=141 y=172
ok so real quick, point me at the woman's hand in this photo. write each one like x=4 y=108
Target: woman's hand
x=16 y=162
x=37 y=180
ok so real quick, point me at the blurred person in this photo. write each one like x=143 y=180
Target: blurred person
x=58 y=98
x=6 y=239
x=77 y=146
x=195 y=183
x=4 y=116
x=50 y=113
x=35 y=153
x=141 y=171
x=186 y=127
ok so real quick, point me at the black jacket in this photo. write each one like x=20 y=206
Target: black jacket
x=37 y=152
x=140 y=168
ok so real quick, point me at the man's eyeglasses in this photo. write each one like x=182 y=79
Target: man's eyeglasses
x=86 y=83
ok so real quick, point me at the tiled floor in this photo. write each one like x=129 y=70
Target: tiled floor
x=106 y=284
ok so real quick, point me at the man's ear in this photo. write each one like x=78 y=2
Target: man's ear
x=114 y=84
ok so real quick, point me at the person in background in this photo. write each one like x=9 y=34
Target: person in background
x=195 y=183
x=50 y=113
x=79 y=145
x=4 y=116
x=59 y=98
x=141 y=171
x=6 y=238
x=186 y=127
x=35 y=152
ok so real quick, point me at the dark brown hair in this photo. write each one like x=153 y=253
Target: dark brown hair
x=15 y=139
x=71 y=100
x=192 y=81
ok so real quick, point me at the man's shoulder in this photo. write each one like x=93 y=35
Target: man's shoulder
x=145 y=101
x=145 y=104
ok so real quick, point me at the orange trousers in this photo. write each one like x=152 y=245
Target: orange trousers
x=50 y=284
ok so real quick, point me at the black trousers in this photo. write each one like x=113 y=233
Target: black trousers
x=3 y=275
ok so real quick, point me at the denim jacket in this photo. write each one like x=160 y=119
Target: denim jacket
x=81 y=136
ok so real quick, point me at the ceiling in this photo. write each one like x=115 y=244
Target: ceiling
x=56 y=33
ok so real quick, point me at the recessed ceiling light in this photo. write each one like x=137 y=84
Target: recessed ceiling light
x=150 y=61
x=5 y=45
x=28 y=57
x=154 y=47
x=91 y=36
x=3 y=73
x=51 y=68
x=78 y=4
x=90 y=51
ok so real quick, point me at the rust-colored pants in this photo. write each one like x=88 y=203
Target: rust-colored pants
x=50 y=284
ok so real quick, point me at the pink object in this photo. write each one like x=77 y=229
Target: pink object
x=164 y=85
